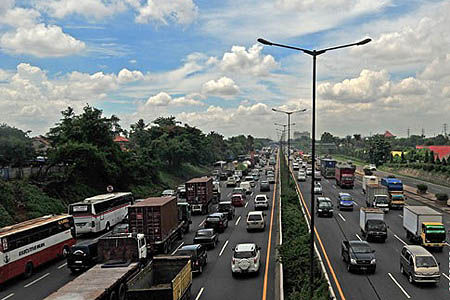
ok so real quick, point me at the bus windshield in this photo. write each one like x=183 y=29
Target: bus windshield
x=80 y=209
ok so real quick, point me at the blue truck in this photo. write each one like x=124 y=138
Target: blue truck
x=395 y=190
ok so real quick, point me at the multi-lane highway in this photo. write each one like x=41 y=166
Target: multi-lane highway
x=387 y=283
x=216 y=281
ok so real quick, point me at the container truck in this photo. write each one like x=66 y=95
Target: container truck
x=424 y=225
x=377 y=196
x=345 y=175
x=157 y=218
x=395 y=189
x=369 y=180
x=327 y=167
x=371 y=222
x=120 y=257
x=199 y=194
x=164 y=278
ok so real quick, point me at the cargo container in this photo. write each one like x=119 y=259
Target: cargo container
x=157 y=218
x=371 y=222
x=377 y=196
x=424 y=225
x=369 y=180
x=395 y=189
x=345 y=175
x=327 y=167
x=199 y=194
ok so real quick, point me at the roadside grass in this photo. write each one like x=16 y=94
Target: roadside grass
x=345 y=158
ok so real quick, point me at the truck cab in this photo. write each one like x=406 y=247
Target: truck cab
x=433 y=234
x=397 y=199
x=184 y=215
x=381 y=202
x=376 y=230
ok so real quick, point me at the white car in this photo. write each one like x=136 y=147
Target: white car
x=372 y=167
x=255 y=220
x=250 y=179
x=317 y=175
x=246 y=186
x=295 y=166
x=261 y=202
x=246 y=259
x=308 y=171
x=168 y=193
x=318 y=189
x=231 y=181
x=301 y=176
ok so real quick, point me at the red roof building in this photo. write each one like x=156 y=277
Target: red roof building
x=122 y=141
x=388 y=134
x=439 y=151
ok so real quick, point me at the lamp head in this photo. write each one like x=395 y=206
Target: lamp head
x=264 y=42
x=363 y=42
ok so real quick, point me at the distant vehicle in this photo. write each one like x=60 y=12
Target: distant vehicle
x=231 y=181
x=327 y=167
x=309 y=171
x=255 y=220
x=241 y=191
x=271 y=179
x=197 y=254
x=100 y=212
x=324 y=207
x=246 y=259
x=250 y=180
x=207 y=237
x=372 y=167
x=216 y=191
x=371 y=222
x=419 y=265
x=82 y=256
x=358 y=255
x=395 y=190
x=295 y=166
x=237 y=200
x=121 y=228
x=301 y=176
x=345 y=201
x=317 y=175
x=199 y=194
x=217 y=221
x=345 y=175
x=227 y=209
x=168 y=193
x=369 y=180
x=245 y=185
x=36 y=242
x=317 y=189
x=223 y=176
x=377 y=196
x=261 y=202
x=264 y=186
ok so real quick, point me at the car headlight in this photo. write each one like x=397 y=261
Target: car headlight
x=353 y=261
x=331 y=210
x=373 y=261
x=319 y=209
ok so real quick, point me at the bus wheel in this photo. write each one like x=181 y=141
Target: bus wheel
x=65 y=251
x=28 y=270
x=113 y=295
x=122 y=291
x=107 y=227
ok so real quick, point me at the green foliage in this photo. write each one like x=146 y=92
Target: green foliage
x=15 y=147
x=379 y=149
x=442 y=196
x=422 y=187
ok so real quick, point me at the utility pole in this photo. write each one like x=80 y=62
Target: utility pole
x=445 y=129
x=423 y=132
x=407 y=132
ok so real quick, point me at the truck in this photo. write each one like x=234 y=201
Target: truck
x=120 y=258
x=368 y=180
x=395 y=189
x=164 y=278
x=327 y=167
x=345 y=175
x=424 y=225
x=377 y=196
x=216 y=191
x=199 y=194
x=371 y=222
x=157 y=218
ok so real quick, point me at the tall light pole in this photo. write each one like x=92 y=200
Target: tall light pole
x=314 y=54
x=284 y=128
x=289 y=113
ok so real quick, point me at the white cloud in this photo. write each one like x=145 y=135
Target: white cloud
x=182 y=12
x=126 y=76
x=164 y=99
x=438 y=69
x=257 y=109
x=97 y=9
x=223 y=87
x=19 y=17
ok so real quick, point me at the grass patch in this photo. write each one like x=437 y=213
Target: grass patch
x=345 y=158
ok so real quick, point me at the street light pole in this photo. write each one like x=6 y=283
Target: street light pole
x=314 y=54
x=289 y=113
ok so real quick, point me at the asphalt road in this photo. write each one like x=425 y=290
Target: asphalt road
x=216 y=281
x=387 y=283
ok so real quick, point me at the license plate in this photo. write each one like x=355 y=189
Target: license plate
x=78 y=262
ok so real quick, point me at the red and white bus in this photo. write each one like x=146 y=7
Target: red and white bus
x=26 y=245
x=100 y=212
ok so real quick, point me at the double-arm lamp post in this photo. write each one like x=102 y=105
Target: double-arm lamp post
x=314 y=54
x=289 y=113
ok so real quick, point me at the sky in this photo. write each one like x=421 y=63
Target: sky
x=198 y=60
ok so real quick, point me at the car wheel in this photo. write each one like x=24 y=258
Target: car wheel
x=28 y=270
x=410 y=279
x=349 y=267
x=200 y=270
x=107 y=227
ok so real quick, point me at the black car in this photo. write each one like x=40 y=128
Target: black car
x=198 y=256
x=207 y=237
x=82 y=256
x=217 y=221
x=324 y=207
x=227 y=208
x=223 y=176
x=264 y=186
x=359 y=256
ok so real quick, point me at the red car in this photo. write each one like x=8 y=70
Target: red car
x=237 y=200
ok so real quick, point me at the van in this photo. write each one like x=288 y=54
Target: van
x=82 y=256
x=419 y=265
x=245 y=185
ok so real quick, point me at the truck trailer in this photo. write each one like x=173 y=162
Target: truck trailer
x=345 y=175
x=199 y=194
x=371 y=222
x=377 y=196
x=369 y=180
x=395 y=189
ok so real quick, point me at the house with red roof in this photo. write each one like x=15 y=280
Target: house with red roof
x=388 y=134
x=122 y=141
x=439 y=151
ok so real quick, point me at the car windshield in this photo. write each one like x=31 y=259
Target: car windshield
x=224 y=206
x=382 y=200
x=425 y=262
x=204 y=233
x=361 y=249
x=212 y=219
x=324 y=204
x=243 y=254
x=260 y=199
x=254 y=218
x=346 y=198
x=376 y=225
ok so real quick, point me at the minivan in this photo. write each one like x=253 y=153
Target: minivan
x=82 y=256
x=419 y=265
x=255 y=220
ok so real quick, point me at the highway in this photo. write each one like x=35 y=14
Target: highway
x=387 y=282
x=216 y=281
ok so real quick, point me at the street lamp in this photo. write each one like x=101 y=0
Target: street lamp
x=289 y=113
x=284 y=128
x=314 y=54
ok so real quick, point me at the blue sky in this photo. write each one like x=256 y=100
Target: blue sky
x=199 y=61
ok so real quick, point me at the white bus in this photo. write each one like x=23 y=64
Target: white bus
x=100 y=212
x=29 y=244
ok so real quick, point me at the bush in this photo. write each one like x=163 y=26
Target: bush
x=422 y=188
x=441 y=196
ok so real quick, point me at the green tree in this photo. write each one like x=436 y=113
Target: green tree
x=378 y=149
x=15 y=147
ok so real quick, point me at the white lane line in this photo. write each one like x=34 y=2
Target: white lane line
x=7 y=297
x=62 y=266
x=447 y=244
x=400 y=239
x=246 y=204
x=334 y=187
x=199 y=294
x=341 y=216
x=176 y=249
x=201 y=224
x=446 y=276
x=36 y=280
x=400 y=287
x=229 y=194
x=354 y=202
x=237 y=221
x=359 y=238
x=400 y=216
x=251 y=194
x=223 y=248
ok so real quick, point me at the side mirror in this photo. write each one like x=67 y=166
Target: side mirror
x=373 y=251
x=258 y=248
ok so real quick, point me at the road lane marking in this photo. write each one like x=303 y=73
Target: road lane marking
x=359 y=238
x=246 y=204
x=199 y=294
x=341 y=216
x=7 y=297
x=176 y=249
x=354 y=202
x=223 y=248
x=62 y=266
x=201 y=224
x=237 y=221
x=447 y=244
x=36 y=280
x=400 y=216
x=334 y=187
x=399 y=286
x=400 y=239
x=446 y=276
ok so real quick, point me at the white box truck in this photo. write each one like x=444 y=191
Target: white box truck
x=377 y=196
x=424 y=225
x=371 y=222
x=368 y=180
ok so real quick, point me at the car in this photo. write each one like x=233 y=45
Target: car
x=217 y=221
x=246 y=259
x=82 y=256
x=345 y=201
x=309 y=171
x=372 y=167
x=304 y=164
x=223 y=176
x=301 y=176
x=250 y=180
x=198 y=255
x=237 y=200
x=121 y=228
x=256 y=221
x=317 y=175
x=264 y=186
x=317 y=188
x=358 y=255
x=168 y=193
x=237 y=178
x=324 y=207
x=295 y=166
x=241 y=191
x=419 y=265
x=231 y=181
x=271 y=179
x=207 y=237
x=245 y=185
x=255 y=177
x=261 y=202
x=227 y=209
